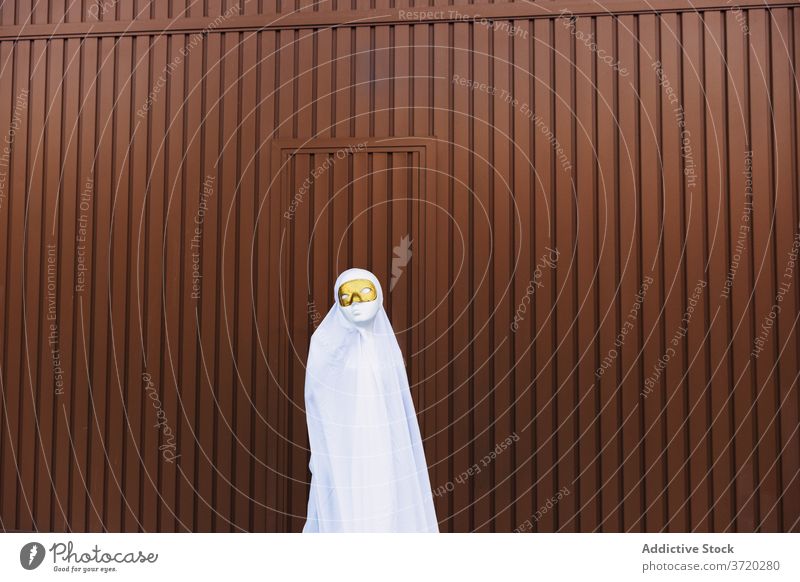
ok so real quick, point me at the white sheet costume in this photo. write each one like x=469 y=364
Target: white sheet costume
x=367 y=462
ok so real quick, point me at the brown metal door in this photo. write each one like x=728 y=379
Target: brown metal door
x=347 y=203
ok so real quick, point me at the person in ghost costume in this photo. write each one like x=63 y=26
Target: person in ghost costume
x=368 y=470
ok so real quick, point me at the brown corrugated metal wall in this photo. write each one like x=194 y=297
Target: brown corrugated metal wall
x=590 y=223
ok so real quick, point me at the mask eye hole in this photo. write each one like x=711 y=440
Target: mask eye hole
x=366 y=291
x=345 y=296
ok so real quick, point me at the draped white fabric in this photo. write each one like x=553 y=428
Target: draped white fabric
x=368 y=470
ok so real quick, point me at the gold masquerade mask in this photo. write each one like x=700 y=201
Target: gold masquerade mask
x=358 y=290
